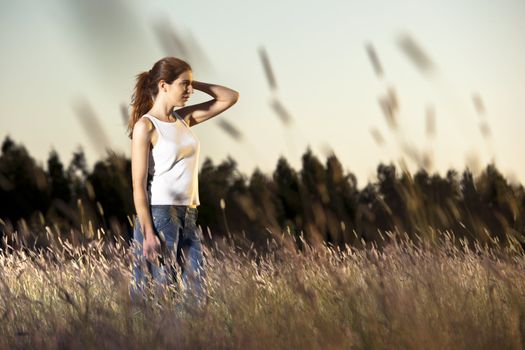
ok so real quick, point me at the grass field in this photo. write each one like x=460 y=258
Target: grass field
x=402 y=296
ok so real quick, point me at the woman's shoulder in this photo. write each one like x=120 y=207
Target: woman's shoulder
x=147 y=122
x=143 y=126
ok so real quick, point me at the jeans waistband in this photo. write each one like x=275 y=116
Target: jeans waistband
x=170 y=208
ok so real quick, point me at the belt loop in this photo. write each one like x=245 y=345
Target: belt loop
x=173 y=211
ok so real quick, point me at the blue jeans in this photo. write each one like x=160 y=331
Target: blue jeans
x=176 y=227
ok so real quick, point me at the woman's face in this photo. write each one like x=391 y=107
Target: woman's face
x=179 y=91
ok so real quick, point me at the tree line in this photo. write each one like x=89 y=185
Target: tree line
x=318 y=203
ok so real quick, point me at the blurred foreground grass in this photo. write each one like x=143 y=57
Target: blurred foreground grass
x=405 y=295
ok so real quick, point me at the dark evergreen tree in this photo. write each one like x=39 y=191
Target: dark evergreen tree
x=214 y=184
x=57 y=178
x=391 y=210
x=287 y=192
x=24 y=187
x=111 y=180
x=313 y=177
x=340 y=217
x=77 y=173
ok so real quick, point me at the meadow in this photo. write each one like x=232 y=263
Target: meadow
x=403 y=294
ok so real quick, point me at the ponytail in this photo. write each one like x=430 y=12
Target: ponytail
x=141 y=100
x=146 y=88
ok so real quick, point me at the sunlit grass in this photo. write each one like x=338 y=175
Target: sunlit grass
x=404 y=295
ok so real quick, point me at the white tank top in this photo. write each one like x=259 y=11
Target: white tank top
x=173 y=164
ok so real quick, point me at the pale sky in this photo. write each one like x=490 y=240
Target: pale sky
x=58 y=52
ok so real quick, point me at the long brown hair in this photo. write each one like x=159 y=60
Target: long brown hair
x=146 y=87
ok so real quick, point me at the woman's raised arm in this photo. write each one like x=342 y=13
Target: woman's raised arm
x=223 y=99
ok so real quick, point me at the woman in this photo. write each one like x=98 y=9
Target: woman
x=164 y=165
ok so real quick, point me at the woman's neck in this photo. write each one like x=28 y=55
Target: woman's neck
x=161 y=111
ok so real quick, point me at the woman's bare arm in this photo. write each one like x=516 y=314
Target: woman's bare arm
x=224 y=98
x=139 y=172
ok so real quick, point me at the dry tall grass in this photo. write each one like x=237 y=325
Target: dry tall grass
x=405 y=295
